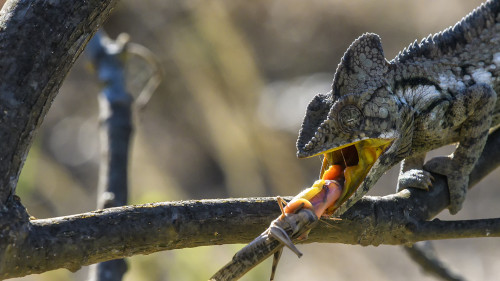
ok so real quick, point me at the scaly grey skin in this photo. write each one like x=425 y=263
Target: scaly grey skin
x=436 y=92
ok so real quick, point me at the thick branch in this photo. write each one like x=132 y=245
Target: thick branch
x=436 y=229
x=39 y=40
x=88 y=238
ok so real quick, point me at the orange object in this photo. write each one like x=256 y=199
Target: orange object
x=324 y=202
x=320 y=198
x=332 y=173
x=297 y=204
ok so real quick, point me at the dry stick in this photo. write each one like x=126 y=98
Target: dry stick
x=157 y=73
x=424 y=255
x=115 y=131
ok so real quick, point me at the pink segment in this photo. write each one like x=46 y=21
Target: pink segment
x=327 y=197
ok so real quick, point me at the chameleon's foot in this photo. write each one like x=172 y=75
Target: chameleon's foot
x=415 y=178
x=457 y=181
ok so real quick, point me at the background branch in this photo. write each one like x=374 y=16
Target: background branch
x=89 y=238
x=115 y=124
x=424 y=255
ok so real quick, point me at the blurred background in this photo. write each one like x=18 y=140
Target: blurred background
x=223 y=123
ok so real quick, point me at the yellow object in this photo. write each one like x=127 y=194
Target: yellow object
x=320 y=197
x=333 y=172
x=358 y=158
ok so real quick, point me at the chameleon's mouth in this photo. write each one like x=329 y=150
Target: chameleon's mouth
x=356 y=160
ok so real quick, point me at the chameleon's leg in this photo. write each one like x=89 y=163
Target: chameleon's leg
x=476 y=104
x=413 y=175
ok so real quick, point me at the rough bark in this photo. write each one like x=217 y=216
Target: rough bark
x=74 y=241
x=40 y=40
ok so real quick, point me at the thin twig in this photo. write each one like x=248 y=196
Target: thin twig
x=423 y=254
x=115 y=130
x=157 y=73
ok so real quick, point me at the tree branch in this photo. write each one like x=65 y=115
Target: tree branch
x=33 y=63
x=77 y=240
x=424 y=255
x=115 y=118
x=436 y=229
x=40 y=40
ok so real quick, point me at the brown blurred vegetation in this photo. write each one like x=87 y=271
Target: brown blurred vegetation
x=238 y=76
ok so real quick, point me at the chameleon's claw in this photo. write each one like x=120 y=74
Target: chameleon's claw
x=457 y=181
x=415 y=178
x=279 y=234
x=457 y=185
x=442 y=165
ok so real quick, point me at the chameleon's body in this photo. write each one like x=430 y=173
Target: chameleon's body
x=439 y=91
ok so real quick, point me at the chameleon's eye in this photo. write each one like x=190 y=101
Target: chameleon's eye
x=350 y=118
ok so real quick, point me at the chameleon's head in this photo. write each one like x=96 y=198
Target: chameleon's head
x=358 y=122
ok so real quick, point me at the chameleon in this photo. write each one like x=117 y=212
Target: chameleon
x=438 y=91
